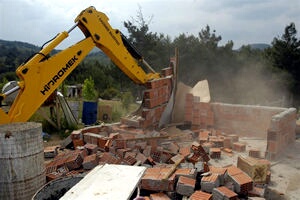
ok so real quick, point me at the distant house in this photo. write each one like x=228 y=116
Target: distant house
x=74 y=91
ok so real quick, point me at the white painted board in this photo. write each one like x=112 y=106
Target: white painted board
x=107 y=182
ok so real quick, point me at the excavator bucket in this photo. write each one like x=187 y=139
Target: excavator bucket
x=156 y=109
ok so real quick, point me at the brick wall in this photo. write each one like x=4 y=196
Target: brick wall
x=277 y=125
x=244 y=120
x=281 y=132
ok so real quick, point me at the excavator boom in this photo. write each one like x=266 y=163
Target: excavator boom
x=41 y=74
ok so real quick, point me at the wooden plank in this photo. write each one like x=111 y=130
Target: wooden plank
x=107 y=182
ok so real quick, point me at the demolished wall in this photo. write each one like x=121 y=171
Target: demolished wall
x=275 y=124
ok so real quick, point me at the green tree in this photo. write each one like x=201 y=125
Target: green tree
x=127 y=99
x=154 y=47
x=285 y=55
x=88 y=90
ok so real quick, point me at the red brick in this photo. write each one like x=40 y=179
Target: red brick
x=255 y=153
x=234 y=138
x=76 y=135
x=185 y=151
x=74 y=160
x=227 y=142
x=141 y=157
x=178 y=158
x=91 y=138
x=215 y=153
x=243 y=183
x=129 y=160
x=185 y=186
x=272 y=146
x=121 y=152
x=109 y=159
x=186 y=172
x=155 y=155
x=167 y=71
x=78 y=143
x=224 y=193
x=92 y=129
x=159 y=196
x=220 y=171
x=90 y=162
x=53 y=176
x=199 y=195
x=153 y=180
x=208 y=183
x=91 y=148
x=240 y=147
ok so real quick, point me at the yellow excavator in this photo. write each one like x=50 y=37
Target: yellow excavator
x=41 y=75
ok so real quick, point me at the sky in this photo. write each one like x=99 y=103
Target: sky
x=242 y=21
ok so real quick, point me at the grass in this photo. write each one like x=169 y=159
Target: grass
x=118 y=111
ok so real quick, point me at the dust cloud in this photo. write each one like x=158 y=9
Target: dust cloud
x=251 y=84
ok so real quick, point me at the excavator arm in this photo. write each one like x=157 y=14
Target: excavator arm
x=41 y=75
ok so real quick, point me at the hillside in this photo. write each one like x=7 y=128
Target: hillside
x=14 y=53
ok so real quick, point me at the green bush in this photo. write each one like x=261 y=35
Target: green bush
x=110 y=93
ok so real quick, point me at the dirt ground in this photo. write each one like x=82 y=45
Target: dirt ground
x=285 y=171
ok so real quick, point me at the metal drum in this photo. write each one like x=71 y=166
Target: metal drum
x=21 y=160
